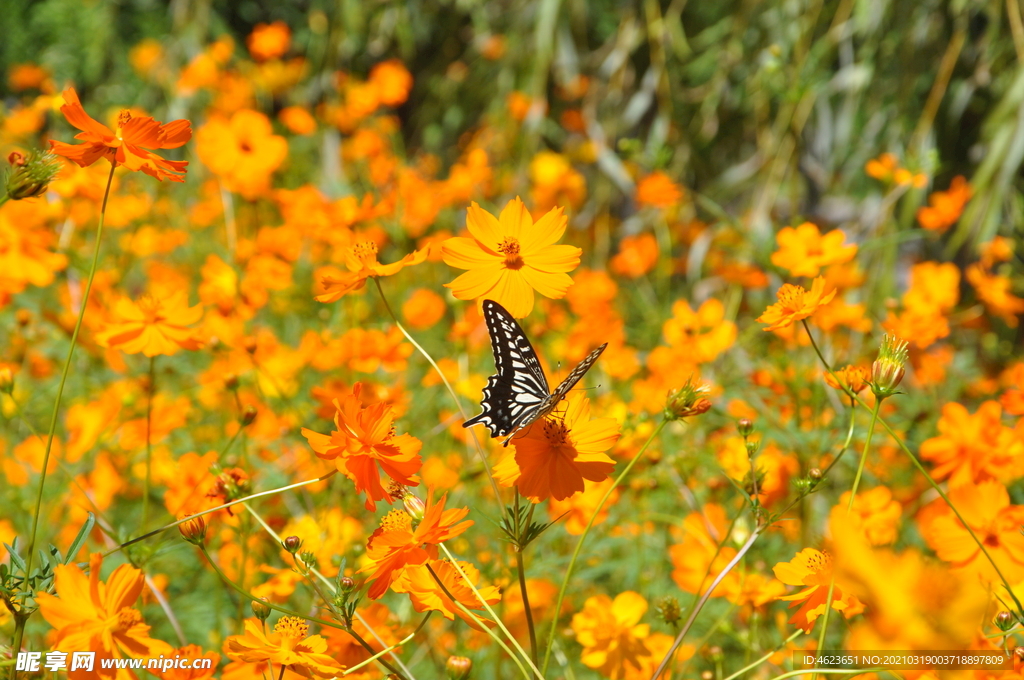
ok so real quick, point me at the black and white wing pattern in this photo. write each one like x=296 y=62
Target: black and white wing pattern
x=518 y=394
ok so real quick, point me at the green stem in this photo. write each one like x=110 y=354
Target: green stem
x=764 y=658
x=151 y=388
x=526 y=605
x=64 y=376
x=864 y=454
x=583 y=537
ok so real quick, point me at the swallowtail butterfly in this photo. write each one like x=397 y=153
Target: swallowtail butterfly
x=518 y=395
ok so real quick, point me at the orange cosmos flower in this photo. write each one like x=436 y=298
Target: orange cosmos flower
x=361 y=260
x=243 y=151
x=995 y=292
x=974 y=447
x=129 y=145
x=429 y=595
x=287 y=646
x=392 y=82
x=803 y=251
x=510 y=257
x=611 y=633
x=396 y=544
x=853 y=378
x=637 y=255
x=945 y=206
x=92 y=616
x=658 y=190
x=704 y=333
x=152 y=326
x=424 y=308
x=813 y=568
x=986 y=509
x=191 y=652
x=365 y=443
x=579 y=508
x=875 y=514
x=554 y=455
x=795 y=304
x=269 y=41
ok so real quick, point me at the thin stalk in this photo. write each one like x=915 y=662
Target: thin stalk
x=764 y=658
x=526 y=606
x=270 y=492
x=700 y=605
x=64 y=376
x=864 y=454
x=151 y=389
x=583 y=537
x=444 y=379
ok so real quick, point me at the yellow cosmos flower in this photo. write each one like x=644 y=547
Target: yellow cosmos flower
x=813 y=569
x=287 y=646
x=361 y=260
x=511 y=256
x=611 y=633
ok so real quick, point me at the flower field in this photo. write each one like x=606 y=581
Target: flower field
x=475 y=340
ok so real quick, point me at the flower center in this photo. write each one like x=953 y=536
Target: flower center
x=123 y=117
x=366 y=252
x=555 y=431
x=291 y=627
x=791 y=297
x=150 y=308
x=127 y=618
x=396 y=520
x=510 y=249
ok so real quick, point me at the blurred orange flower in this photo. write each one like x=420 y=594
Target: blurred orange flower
x=429 y=595
x=875 y=514
x=611 y=633
x=424 y=308
x=269 y=41
x=853 y=378
x=361 y=260
x=555 y=455
x=813 y=568
x=945 y=206
x=637 y=255
x=974 y=447
x=579 y=508
x=704 y=333
x=243 y=151
x=129 y=145
x=392 y=81
x=287 y=646
x=795 y=304
x=803 y=251
x=90 y=615
x=510 y=257
x=364 y=440
x=658 y=190
x=995 y=292
x=298 y=120
x=152 y=325
x=396 y=544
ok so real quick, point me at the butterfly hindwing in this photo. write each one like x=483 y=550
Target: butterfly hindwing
x=518 y=394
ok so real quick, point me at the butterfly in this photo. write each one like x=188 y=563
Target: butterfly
x=518 y=395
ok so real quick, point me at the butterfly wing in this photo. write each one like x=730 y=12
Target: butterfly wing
x=519 y=388
x=563 y=388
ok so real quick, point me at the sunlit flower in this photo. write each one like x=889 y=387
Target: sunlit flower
x=974 y=447
x=510 y=257
x=995 y=292
x=813 y=569
x=397 y=544
x=429 y=595
x=555 y=182
x=195 y=673
x=986 y=509
x=392 y=81
x=287 y=646
x=298 y=120
x=637 y=255
x=611 y=633
x=701 y=553
x=365 y=443
x=129 y=146
x=361 y=260
x=424 y=308
x=795 y=304
x=554 y=455
x=152 y=326
x=90 y=615
x=803 y=251
x=851 y=378
x=945 y=207
x=704 y=333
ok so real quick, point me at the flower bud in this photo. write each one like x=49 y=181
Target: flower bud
x=231 y=381
x=31 y=175
x=260 y=609
x=1004 y=621
x=292 y=544
x=889 y=367
x=193 y=529
x=348 y=583
x=414 y=506
x=670 y=611
x=250 y=345
x=248 y=415
x=458 y=667
x=687 y=401
x=814 y=474
x=308 y=558
x=746 y=427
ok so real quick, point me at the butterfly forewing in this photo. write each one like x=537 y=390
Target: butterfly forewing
x=518 y=394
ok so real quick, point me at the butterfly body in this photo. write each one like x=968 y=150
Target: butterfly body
x=518 y=394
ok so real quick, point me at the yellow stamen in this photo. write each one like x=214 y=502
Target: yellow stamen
x=510 y=248
x=291 y=627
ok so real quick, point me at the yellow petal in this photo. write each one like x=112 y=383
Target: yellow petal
x=549 y=285
x=555 y=258
x=546 y=231
x=483 y=226
x=515 y=219
x=467 y=253
x=476 y=282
